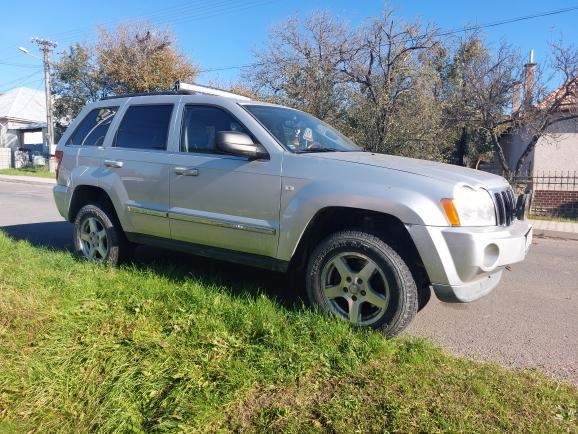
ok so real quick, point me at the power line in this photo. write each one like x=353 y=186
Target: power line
x=174 y=15
x=19 y=80
x=190 y=13
x=19 y=65
x=448 y=33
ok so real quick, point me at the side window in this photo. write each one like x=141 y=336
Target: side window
x=93 y=127
x=201 y=125
x=144 y=127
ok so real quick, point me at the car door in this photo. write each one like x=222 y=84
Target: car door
x=218 y=200
x=137 y=164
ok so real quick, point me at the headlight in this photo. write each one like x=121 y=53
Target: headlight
x=470 y=207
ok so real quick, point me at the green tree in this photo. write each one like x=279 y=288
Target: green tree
x=135 y=57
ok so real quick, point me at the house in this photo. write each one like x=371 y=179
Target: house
x=23 y=120
x=551 y=168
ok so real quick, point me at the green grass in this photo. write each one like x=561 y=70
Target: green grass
x=40 y=172
x=156 y=348
x=552 y=218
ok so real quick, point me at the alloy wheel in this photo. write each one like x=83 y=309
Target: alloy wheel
x=355 y=287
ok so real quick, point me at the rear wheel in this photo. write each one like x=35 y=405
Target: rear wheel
x=356 y=276
x=98 y=236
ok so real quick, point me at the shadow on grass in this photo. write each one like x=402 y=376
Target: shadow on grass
x=287 y=290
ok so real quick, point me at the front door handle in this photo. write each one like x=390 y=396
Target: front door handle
x=113 y=163
x=187 y=171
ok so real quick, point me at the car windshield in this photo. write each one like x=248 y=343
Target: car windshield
x=299 y=132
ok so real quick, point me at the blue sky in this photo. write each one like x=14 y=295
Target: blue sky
x=223 y=33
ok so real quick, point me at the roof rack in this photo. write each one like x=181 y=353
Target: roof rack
x=197 y=88
x=127 y=95
x=184 y=89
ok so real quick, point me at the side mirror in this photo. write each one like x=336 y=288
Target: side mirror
x=236 y=143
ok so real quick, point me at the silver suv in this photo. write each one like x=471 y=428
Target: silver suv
x=219 y=175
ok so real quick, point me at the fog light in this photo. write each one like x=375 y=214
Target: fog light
x=491 y=254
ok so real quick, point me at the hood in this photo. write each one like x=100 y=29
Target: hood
x=430 y=169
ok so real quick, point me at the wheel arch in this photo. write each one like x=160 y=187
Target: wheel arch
x=386 y=226
x=85 y=194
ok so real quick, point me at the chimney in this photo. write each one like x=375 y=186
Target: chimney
x=529 y=75
x=516 y=97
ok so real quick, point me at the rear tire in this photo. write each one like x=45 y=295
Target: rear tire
x=357 y=277
x=99 y=237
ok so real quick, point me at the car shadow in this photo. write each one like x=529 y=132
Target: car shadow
x=56 y=234
x=238 y=280
x=286 y=289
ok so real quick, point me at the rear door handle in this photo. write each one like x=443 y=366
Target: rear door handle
x=113 y=163
x=187 y=171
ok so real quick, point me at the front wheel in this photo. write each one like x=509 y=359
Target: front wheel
x=98 y=236
x=356 y=276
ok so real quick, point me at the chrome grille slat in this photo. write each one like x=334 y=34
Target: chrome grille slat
x=505 y=206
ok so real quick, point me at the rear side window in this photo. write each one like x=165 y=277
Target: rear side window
x=201 y=125
x=93 y=128
x=144 y=127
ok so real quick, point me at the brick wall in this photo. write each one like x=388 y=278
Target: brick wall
x=563 y=203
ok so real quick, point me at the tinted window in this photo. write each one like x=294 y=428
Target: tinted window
x=144 y=127
x=201 y=125
x=93 y=127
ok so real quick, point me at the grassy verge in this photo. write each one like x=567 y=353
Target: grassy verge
x=85 y=348
x=40 y=172
x=552 y=218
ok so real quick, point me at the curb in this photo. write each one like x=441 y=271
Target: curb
x=545 y=233
x=27 y=180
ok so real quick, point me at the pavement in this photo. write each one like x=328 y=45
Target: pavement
x=554 y=229
x=33 y=180
x=529 y=321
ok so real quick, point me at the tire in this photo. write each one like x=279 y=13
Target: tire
x=357 y=277
x=99 y=237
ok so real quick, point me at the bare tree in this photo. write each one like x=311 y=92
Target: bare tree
x=299 y=67
x=561 y=105
x=395 y=86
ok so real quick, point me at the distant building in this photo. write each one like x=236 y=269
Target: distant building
x=23 y=119
x=552 y=166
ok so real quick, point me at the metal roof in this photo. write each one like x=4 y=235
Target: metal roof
x=23 y=104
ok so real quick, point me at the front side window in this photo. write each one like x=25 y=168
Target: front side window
x=201 y=125
x=300 y=132
x=145 y=127
x=93 y=128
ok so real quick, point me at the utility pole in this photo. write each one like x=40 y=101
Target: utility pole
x=46 y=46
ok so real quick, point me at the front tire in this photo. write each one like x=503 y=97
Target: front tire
x=98 y=235
x=357 y=277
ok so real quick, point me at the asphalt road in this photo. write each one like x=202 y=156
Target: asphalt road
x=529 y=321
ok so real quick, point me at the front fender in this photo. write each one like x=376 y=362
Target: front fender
x=301 y=202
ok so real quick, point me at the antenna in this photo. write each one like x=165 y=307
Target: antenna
x=197 y=88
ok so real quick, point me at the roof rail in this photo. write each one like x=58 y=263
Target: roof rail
x=197 y=88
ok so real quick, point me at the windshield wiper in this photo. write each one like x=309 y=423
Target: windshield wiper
x=312 y=150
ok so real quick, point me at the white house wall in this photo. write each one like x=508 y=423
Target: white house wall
x=557 y=152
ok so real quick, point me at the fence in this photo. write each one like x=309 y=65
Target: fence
x=552 y=194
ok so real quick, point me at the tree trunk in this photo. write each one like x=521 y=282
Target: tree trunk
x=506 y=171
x=461 y=147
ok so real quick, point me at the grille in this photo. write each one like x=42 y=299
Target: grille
x=505 y=206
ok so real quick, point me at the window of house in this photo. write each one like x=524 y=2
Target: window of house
x=201 y=125
x=93 y=128
x=145 y=127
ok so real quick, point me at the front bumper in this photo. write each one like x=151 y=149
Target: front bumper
x=466 y=263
